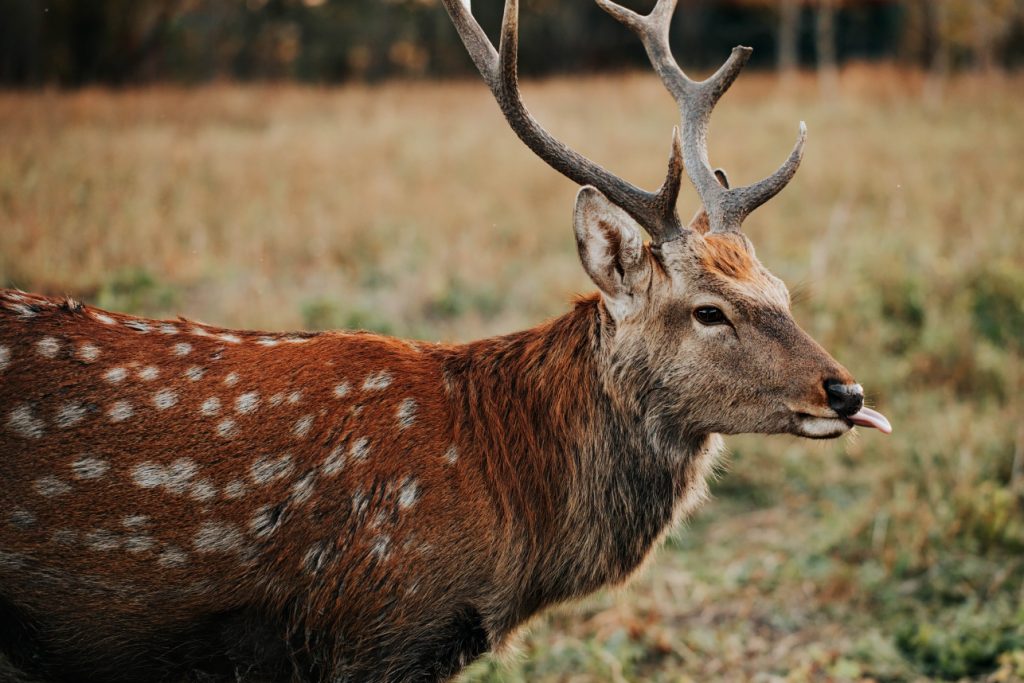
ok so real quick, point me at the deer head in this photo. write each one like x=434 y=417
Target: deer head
x=697 y=323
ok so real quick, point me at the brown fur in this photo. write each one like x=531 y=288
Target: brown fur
x=298 y=582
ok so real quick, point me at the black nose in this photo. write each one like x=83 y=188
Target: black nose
x=845 y=399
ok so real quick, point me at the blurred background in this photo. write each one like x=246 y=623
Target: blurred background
x=336 y=164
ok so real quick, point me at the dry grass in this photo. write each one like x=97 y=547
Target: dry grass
x=411 y=209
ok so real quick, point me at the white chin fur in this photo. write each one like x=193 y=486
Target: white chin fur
x=823 y=427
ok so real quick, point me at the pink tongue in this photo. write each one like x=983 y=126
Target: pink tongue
x=866 y=417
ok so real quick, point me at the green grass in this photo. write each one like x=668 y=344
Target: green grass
x=410 y=209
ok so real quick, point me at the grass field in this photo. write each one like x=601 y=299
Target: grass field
x=410 y=209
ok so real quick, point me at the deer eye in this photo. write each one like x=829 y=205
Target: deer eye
x=710 y=315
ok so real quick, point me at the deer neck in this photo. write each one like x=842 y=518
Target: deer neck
x=584 y=488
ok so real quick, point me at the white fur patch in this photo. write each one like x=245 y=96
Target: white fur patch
x=103 y=318
x=181 y=349
x=235 y=489
x=138 y=326
x=5 y=357
x=21 y=518
x=406 y=413
x=70 y=414
x=226 y=428
x=341 y=390
x=22 y=422
x=167 y=328
x=172 y=556
x=302 y=426
x=360 y=449
x=268 y=469
x=265 y=522
x=210 y=406
x=334 y=462
x=230 y=338
x=164 y=399
x=247 y=402
x=377 y=381
x=302 y=490
x=149 y=373
x=231 y=379
x=115 y=375
x=195 y=373
x=381 y=547
x=48 y=347
x=408 y=494
x=102 y=540
x=451 y=455
x=218 y=537
x=89 y=468
x=267 y=341
x=120 y=411
x=51 y=486
x=88 y=352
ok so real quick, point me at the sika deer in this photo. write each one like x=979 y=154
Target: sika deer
x=186 y=502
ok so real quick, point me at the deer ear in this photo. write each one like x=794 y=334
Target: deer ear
x=611 y=249
x=699 y=222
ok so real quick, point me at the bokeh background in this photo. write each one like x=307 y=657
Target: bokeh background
x=329 y=163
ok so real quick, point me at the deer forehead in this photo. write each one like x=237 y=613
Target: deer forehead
x=726 y=264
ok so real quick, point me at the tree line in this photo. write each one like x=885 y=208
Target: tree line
x=121 y=42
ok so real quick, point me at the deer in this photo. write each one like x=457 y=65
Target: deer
x=187 y=502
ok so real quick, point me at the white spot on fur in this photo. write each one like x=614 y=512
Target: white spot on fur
x=361 y=448
x=276 y=400
x=200 y=332
x=341 y=390
x=89 y=468
x=406 y=413
x=5 y=357
x=230 y=338
x=247 y=402
x=135 y=521
x=101 y=539
x=164 y=399
x=48 y=347
x=217 y=537
x=172 y=556
x=334 y=462
x=149 y=475
x=296 y=340
x=64 y=537
x=294 y=397
x=265 y=522
x=149 y=373
x=21 y=518
x=210 y=406
x=315 y=558
x=231 y=379
x=451 y=455
x=167 y=328
x=377 y=381
x=267 y=341
x=137 y=543
x=115 y=375
x=88 y=352
x=175 y=477
x=408 y=494
x=70 y=414
x=303 y=488
x=182 y=349
x=203 y=490
x=301 y=427
x=235 y=489
x=381 y=546
x=120 y=411
x=138 y=326
x=226 y=428
x=268 y=469
x=195 y=373
x=22 y=422
x=50 y=486
x=103 y=318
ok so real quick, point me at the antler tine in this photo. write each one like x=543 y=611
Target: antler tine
x=726 y=208
x=655 y=211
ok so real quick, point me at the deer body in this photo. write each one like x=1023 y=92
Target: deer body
x=180 y=498
x=185 y=501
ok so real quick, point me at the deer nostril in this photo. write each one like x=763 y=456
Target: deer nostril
x=845 y=399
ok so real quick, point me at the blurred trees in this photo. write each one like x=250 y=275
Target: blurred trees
x=74 y=42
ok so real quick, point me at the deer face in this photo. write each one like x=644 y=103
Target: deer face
x=700 y=322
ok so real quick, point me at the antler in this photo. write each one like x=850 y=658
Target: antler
x=655 y=211
x=726 y=208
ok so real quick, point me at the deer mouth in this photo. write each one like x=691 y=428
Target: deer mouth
x=830 y=427
x=866 y=417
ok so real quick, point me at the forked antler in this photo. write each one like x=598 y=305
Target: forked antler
x=696 y=99
x=655 y=211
